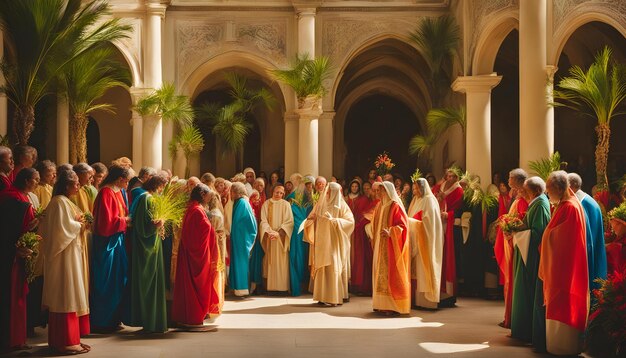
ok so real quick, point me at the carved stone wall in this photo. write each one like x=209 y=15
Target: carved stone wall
x=567 y=9
x=197 y=41
x=481 y=12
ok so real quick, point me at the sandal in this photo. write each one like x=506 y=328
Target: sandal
x=74 y=352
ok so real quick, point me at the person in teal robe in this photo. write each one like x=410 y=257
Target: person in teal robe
x=148 y=306
x=242 y=235
x=526 y=316
x=301 y=206
x=594 y=233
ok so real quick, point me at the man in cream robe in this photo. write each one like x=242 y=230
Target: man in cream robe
x=328 y=229
x=276 y=228
x=426 y=232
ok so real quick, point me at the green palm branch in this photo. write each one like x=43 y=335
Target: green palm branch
x=440 y=119
x=167 y=104
x=598 y=93
x=306 y=76
x=191 y=141
x=422 y=144
x=544 y=166
x=45 y=37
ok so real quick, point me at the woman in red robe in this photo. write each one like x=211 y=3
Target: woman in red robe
x=18 y=217
x=361 y=257
x=196 y=290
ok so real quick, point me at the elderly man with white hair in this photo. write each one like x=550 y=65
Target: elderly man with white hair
x=392 y=262
x=596 y=252
x=527 y=313
x=242 y=235
x=6 y=167
x=563 y=269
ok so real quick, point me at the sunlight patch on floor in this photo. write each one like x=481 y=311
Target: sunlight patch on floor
x=447 y=348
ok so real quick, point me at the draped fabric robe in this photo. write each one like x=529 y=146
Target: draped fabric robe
x=197 y=288
x=298 y=248
x=392 y=263
x=242 y=236
x=564 y=271
x=524 y=310
x=276 y=215
x=109 y=268
x=258 y=269
x=596 y=253
x=361 y=257
x=148 y=307
x=217 y=222
x=84 y=202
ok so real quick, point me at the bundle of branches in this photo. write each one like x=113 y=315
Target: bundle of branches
x=544 y=166
x=30 y=241
x=169 y=206
x=474 y=195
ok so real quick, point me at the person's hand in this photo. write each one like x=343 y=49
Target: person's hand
x=384 y=233
x=328 y=216
x=312 y=216
x=128 y=220
x=158 y=223
x=32 y=224
x=444 y=214
x=23 y=252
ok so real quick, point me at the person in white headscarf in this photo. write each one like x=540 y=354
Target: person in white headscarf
x=426 y=234
x=391 y=264
x=328 y=229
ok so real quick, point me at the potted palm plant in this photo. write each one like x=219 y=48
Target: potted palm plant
x=189 y=142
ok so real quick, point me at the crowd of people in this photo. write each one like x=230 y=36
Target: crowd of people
x=103 y=259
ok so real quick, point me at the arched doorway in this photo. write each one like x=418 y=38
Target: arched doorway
x=264 y=145
x=505 y=107
x=375 y=124
x=381 y=102
x=574 y=134
x=93 y=141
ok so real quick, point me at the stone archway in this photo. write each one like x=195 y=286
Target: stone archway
x=580 y=49
x=390 y=74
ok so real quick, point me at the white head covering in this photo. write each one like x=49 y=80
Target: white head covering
x=245 y=171
x=393 y=195
x=336 y=197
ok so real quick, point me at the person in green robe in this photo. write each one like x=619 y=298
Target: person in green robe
x=528 y=312
x=148 y=306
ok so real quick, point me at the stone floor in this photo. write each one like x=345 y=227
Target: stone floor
x=297 y=327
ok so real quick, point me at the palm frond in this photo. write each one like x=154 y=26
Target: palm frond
x=440 y=119
x=190 y=140
x=231 y=128
x=544 y=166
x=422 y=144
x=168 y=105
x=306 y=76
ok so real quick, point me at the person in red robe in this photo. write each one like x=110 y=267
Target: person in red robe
x=564 y=270
x=616 y=250
x=6 y=167
x=196 y=290
x=503 y=247
x=361 y=256
x=25 y=156
x=450 y=196
x=18 y=217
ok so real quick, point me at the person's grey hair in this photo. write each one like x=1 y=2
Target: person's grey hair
x=4 y=151
x=575 y=181
x=147 y=171
x=239 y=189
x=239 y=178
x=45 y=166
x=215 y=199
x=208 y=178
x=559 y=180
x=260 y=180
x=519 y=175
x=536 y=185
x=81 y=168
x=319 y=178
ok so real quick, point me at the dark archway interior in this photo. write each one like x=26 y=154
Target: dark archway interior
x=93 y=141
x=574 y=133
x=505 y=107
x=375 y=124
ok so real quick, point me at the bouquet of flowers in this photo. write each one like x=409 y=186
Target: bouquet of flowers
x=88 y=217
x=618 y=212
x=606 y=332
x=383 y=164
x=510 y=223
x=30 y=241
x=169 y=207
x=416 y=175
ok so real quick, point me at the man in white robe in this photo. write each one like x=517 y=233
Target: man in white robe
x=426 y=232
x=328 y=229
x=276 y=228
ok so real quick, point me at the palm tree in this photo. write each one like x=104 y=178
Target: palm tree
x=598 y=93
x=86 y=80
x=190 y=141
x=438 y=121
x=438 y=38
x=544 y=166
x=306 y=77
x=164 y=104
x=44 y=37
x=231 y=122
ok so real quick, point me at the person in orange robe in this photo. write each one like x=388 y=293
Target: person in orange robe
x=450 y=196
x=196 y=292
x=503 y=247
x=392 y=262
x=564 y=270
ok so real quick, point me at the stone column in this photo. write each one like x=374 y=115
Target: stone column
x=291 y=144
x=4 y=121
x=477 y=91
x=306 y=31
x=536 y=117
x=63 y=130
x=153 y=78
x=326 y=143
x=308 y=137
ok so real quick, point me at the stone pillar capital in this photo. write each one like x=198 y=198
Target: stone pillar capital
x=156 y=8
x=137 y=93
x=327 y=116
x=551 y=71
x=473 y=84
x=291 y=117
